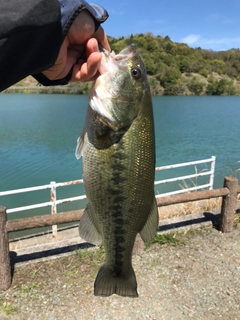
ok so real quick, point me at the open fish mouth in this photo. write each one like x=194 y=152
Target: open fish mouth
x=111 y=61
x=130 y=50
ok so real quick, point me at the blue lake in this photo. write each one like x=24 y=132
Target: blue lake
x=38 y=136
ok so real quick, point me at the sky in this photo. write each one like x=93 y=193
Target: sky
x=209 y=24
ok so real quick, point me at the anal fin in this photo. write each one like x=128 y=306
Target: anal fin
x=151 y=226
x=87 y=230
x=138 y=247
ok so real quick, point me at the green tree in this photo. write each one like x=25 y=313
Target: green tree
x=174 y=89
x=184 y=65
x=195 y=86
x=220 y=87
x=170 y=75
x=204 y=72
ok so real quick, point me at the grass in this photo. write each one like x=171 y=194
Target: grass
x=30 y=287
x=93 y=257
x=7 y=308
x=169 y=239
x=177 y=238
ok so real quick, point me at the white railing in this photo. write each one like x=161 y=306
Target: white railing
x=54 y=185
x=209 y=185
x=53 y=198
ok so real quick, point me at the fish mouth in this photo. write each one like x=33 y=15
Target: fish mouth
x=129 y=50
x=119 y=60
x=125 y=54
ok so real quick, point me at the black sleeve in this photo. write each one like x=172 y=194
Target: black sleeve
x=32 y=32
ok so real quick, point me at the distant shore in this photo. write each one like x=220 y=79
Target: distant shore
x=30 y=86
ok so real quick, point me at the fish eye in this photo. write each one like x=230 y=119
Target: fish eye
x=136 y=73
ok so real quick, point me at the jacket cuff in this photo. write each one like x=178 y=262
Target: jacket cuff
x=41 y=78
x=69 y=11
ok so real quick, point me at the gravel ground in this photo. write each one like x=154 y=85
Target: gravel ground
x=199 y=278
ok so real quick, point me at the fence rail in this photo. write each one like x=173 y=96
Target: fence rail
x=229 y=194
x=54 y=185
x=54 y=202
x=209 y=185
x=53 y=198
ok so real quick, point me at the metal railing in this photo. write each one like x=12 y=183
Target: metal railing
x=54 y=185
x=53 y=198
x=209 y=185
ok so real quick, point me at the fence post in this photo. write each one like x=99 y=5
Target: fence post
x=54 y=206
x=5 y=267
x=212 y=172
x=229 y=204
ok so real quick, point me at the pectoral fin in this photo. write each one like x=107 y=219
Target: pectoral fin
x=151 y=225
x=87 y=229
x=80 y=144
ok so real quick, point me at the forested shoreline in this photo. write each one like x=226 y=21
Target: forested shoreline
x=173 y=69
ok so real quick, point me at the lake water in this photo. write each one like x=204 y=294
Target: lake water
x=38 y=136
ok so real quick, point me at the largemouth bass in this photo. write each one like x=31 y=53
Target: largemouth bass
x=118 y=150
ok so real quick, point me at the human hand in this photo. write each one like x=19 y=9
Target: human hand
x=80 y=51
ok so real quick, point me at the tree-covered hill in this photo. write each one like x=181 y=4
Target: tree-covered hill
x=175 y=68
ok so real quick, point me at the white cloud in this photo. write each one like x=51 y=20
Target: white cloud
x=190 y=39
x=195 y=40
x=224 y=41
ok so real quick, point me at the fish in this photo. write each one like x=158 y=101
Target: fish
x=118 y=162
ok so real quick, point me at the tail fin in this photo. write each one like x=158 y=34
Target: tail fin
x=107 y=283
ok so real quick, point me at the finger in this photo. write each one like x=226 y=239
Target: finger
x=91 y=46
x=88 y=70
x=62 y=66
x=101 y=37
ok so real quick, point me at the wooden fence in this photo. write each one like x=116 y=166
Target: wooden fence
x=229 y=194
